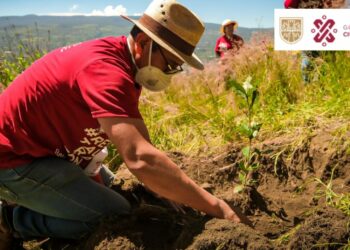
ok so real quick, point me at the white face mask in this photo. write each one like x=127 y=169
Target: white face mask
x=152 y=78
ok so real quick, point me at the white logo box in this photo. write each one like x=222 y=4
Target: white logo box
x=329 y=27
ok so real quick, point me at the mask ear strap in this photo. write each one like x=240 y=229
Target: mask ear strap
x=150 y=53
x=132 y=57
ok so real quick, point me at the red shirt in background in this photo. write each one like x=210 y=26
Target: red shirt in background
x=223 y=44
x=51 y=108
x=291 y=4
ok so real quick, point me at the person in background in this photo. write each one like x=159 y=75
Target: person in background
x=228 y=41
x=62 y=111
x=309 y=58
x=320 y=4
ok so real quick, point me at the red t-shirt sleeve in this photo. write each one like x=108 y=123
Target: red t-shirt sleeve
x=108 y=90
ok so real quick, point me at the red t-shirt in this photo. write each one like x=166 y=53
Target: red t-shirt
x=224 y=44
x=51 y=108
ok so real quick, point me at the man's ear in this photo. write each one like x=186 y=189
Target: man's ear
x=141 y=41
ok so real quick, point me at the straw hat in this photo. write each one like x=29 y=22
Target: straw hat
x=174 y=27
x=228 y=22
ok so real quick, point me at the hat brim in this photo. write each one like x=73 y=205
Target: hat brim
x=235 y=26
x=192 y=60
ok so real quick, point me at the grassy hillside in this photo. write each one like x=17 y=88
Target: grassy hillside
x=200 y=111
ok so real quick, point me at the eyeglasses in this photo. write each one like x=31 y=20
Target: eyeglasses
x=171 y=69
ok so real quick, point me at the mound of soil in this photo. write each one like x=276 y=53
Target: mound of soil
x=286 y=204
x=327 y=228
x=221 y=234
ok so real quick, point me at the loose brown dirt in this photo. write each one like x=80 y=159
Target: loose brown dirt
x=286 y=205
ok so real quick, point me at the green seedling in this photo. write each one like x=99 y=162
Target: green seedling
x=249 y=129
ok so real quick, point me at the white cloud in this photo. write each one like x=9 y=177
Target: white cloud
x=74 y=7
x=108 y=11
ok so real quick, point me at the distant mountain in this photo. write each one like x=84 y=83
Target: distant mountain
x=48 y=32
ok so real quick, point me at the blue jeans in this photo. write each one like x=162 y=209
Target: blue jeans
x=56 y=199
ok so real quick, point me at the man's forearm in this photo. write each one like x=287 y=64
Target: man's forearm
x=165 y=178
x=156 y=170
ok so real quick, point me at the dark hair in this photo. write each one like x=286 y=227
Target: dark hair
x=135 y=31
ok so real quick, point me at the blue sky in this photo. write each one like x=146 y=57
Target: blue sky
x=253 y=13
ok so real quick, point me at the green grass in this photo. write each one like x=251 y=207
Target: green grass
x=285 y=238
x=200 y=112
x=333 y=199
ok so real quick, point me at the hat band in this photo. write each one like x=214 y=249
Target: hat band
x=167 y=35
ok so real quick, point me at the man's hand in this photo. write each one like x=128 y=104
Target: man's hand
x=234 y=214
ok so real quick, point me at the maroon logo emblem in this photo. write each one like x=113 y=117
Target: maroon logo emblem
x=325 y=31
